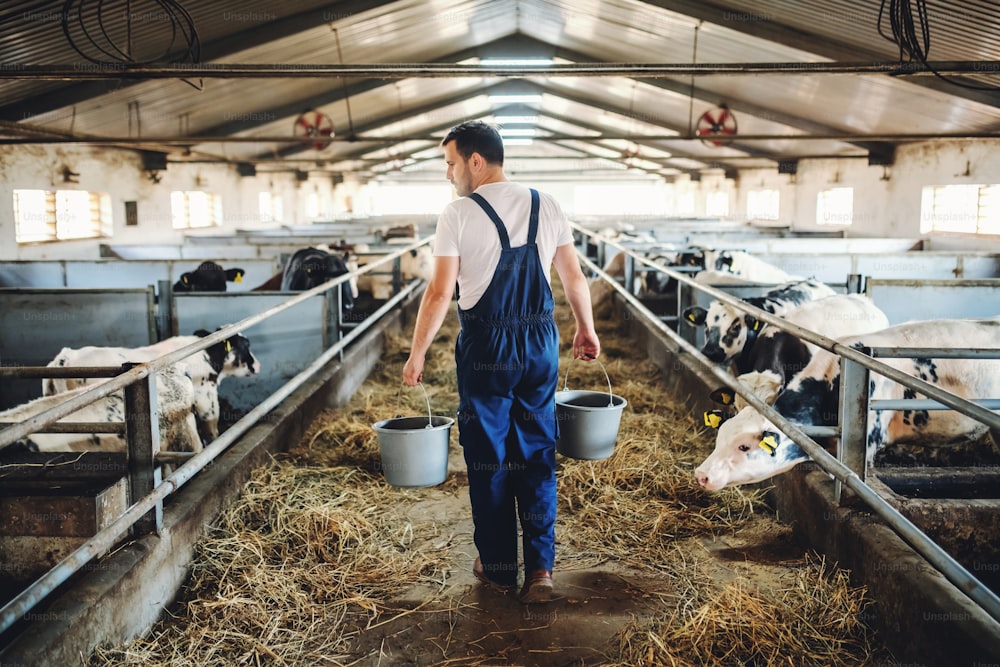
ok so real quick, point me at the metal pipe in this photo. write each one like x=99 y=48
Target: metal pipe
x=96 y=71
x=938 y=557
x=385 y=140
x=925 y=404
x=107 y=537
x=936 y=352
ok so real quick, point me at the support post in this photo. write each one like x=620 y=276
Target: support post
x=853 y=419
x=142 y=433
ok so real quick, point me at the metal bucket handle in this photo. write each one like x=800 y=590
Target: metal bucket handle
x=611 y=397
x=430 y=420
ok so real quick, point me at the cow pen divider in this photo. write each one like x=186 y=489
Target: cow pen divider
x=844 y=475
x=146 y=508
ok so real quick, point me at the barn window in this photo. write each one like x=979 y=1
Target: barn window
x=835 y=206
x=270 y=208
x=966 y=209
x=762 y=204
x=192 y=208
x=61 y=215
x=717 y=205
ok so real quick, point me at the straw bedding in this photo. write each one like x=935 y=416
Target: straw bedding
x=315 y=553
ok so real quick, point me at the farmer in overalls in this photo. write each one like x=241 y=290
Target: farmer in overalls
x=498 y=243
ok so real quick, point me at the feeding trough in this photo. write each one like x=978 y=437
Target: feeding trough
x=414 y=450
x=588 y=421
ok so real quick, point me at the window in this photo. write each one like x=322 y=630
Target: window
x=717 y=205
x=193 y=208
x=61 y=215
x=835 y=207
x=967 y=209
x=312 y=205
x=762 y=204
x=270 y=208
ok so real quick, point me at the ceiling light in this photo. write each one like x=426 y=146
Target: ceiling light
x=515 y=62
x=517 y=142
x=517 y=132
x=510 y=120
x=535 y=98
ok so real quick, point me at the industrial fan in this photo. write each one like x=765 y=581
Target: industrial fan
x=716 y=122
x=311 y=124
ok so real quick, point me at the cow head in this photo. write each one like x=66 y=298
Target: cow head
x=727 y=330
x=310 y=267
x=748 y=449
x=231 y=357
x=208 y=277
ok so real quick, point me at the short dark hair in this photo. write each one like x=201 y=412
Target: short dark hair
x=476 y=136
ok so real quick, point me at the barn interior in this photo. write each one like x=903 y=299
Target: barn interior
x=852 y=142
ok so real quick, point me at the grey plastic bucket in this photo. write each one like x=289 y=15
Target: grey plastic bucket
x=588 y=421
x=414 y=450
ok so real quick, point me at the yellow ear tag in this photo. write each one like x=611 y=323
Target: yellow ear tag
x=229 y=346
x=712 y=419
x=184 y=279
x=239 y=278
x=756 y=325
x=692 y=317
x=726 y=398
x=769 y=444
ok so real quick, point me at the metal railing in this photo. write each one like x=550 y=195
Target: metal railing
x=956 y=573
x=150 y=501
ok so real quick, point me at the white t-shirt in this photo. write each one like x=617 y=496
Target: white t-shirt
x=464 y=230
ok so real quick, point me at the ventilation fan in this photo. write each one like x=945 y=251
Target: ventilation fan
x=718 y=122
x=311 y=124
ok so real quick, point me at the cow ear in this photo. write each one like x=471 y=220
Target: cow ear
x=752 y=322
x=723 y=396
x=695 y=315
x=769 y=442
x=713 y=418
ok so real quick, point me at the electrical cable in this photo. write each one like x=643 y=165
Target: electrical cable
x=88 y=28
x=904 y=34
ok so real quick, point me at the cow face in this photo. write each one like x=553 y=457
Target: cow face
x=208 y=277
x=748 y=449
x=232 y=357
x=726 y=332
x=311 y=267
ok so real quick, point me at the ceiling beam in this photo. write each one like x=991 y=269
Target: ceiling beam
x=774 y=31
x=223 y=47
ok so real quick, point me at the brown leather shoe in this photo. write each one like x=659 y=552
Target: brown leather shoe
x=537 y=587
x=477 y=569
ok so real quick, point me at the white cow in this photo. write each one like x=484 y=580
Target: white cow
x=749 y=448
x=174 y=397
x=229 y=358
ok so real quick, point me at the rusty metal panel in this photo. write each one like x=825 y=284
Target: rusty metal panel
x=904 y=300
x=63 y=509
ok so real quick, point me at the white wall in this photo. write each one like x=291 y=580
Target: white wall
x=119 y=173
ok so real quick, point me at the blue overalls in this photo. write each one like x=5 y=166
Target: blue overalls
x=507 y=358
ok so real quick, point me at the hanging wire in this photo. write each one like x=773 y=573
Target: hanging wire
x=88 y=27
x=914 y=47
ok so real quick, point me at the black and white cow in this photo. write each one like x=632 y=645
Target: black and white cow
x=749 y=448
x=206 y=369
x=728 y=331
x=177 y=427
x=208 y=277
x=310 y=267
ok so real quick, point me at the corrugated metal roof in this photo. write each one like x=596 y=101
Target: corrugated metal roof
x=405 y=117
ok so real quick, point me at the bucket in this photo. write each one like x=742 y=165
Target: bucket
x=588 y=421
x=414 y=450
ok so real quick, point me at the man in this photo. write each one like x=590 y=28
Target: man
x=499 y=242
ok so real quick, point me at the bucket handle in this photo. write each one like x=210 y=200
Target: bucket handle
x=430 y=420
x=611 y=397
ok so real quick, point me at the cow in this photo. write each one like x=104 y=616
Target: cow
x=208 y=277
x=786 y=354
x=750 y=448
x=310 y=267
x=728 y=331
x=175 y=396
x=417 y=263
x=744 y=265
x=207 y=368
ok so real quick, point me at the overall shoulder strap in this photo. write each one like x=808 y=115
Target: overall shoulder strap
x=497 y=222
x=533 y=219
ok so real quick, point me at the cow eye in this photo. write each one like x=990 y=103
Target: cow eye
x=744 y=448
